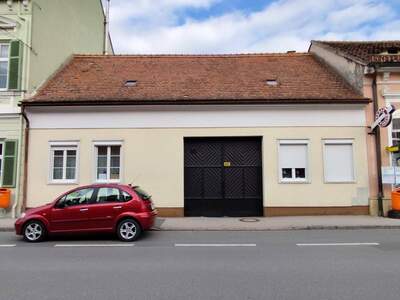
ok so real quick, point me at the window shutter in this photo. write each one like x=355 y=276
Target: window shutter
x=339 y=165
x=14 y=73
x=10 y=163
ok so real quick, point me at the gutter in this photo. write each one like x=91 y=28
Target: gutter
x=26 y=142
x=378 y=149
x=150 y=102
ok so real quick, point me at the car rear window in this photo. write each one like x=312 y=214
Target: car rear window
x=142 y=193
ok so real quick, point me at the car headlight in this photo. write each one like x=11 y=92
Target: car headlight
x=22 y=215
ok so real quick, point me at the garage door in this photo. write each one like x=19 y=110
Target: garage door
x=223 y=177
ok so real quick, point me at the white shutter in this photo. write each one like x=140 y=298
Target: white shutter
x=293 y=156
x=338 y=161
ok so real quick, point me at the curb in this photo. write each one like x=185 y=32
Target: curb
x=284 y=228
x=11 y=229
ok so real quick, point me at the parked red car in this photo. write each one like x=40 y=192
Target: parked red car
x=123 y=209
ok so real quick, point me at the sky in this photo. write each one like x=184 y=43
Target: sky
x=246 y=26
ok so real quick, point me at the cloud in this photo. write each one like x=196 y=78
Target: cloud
x=169 y=27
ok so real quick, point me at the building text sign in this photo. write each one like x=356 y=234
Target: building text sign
x=391 y=175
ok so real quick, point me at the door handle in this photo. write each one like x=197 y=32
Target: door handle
x=84 y=209
x=117 y=207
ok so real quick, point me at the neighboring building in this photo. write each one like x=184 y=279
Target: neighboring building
x=36 y=37
x=213 y=135
x=372 y=68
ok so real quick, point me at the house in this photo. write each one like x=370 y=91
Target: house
x=36 y=37
x=373 y=69
x=206 y=135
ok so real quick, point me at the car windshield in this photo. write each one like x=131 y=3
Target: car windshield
x=142 y=193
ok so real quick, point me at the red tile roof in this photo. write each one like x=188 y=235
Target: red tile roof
x=166 y=79
x=365 y=51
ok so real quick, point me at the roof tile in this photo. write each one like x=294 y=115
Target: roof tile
x=195 y=79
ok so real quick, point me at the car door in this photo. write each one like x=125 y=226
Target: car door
x=104 y=208
x=70 y=213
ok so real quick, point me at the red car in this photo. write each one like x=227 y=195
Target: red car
x=123 y=209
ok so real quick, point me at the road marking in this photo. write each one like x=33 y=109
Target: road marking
x=339 y=244
x=8 y=245
x=94 y=245
x=215 y=245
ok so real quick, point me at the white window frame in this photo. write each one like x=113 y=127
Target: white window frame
x=2 y=161
x=6 y=59
x=108 y=144
x=304 y=142
x=338 y=141
x=64 y=146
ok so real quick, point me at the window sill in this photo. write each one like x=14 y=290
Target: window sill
x=306 y=181
x=108 y=181
x=340 y=182
x=63 y=182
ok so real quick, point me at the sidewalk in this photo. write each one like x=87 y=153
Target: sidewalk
x=261 y=224
x=276 y=223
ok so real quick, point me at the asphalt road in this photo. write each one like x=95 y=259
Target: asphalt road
x=338 y=264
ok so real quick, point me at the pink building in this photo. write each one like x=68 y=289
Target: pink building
x=372 y=69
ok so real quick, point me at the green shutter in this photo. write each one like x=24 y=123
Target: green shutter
x=14 y=72
x=10 y=163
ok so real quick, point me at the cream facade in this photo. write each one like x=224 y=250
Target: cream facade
x=151 y=141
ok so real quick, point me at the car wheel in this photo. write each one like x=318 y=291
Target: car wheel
x=34 y=231
x=128 y=230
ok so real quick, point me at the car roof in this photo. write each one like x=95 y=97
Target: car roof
x=97 y=185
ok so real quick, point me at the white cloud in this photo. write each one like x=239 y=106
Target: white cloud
x=142 y=27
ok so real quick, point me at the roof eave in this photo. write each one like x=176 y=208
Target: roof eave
x=195 y=102
x=339 y=52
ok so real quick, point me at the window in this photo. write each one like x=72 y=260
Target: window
x=78 y=197
x=63 y=163
x=126 y=197
x=106 y=195
x=338 y=161
x=108 y=162
x=4 y=64
x=396 y=132
x=1 y=160
x=293 y=156
x=8 y=163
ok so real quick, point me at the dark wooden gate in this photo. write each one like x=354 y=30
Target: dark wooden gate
x=223 y=177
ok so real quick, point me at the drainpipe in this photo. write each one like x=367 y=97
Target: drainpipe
x=106 y=27
x=18 y=173
x=378 y=149
x=26 y=142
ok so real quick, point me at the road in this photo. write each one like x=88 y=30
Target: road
x=337 y=264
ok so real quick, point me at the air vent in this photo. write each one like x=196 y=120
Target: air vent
x=393 y=50
x=271 y=82
x=129 y=83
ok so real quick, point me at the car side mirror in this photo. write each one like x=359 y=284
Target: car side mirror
x=60 y=204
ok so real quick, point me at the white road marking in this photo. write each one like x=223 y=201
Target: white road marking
x=215 y=245
x=94 y=245
x=338 y=244
x=7 y=245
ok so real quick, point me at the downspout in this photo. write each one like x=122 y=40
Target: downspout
x=106 y=27
x=18 y=173
x=378 y=149
x=26 y=143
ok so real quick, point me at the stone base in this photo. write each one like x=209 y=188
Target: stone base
x=315 y=211
x=373 y=204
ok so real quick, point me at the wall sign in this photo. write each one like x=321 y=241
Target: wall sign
x=383 y=116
